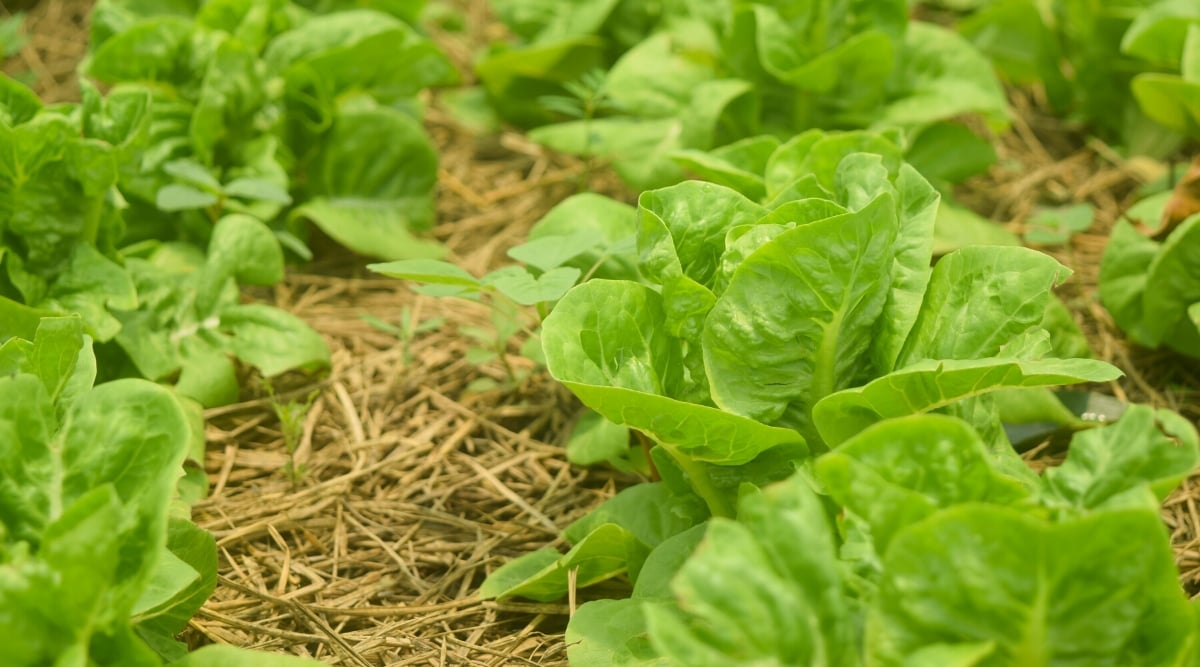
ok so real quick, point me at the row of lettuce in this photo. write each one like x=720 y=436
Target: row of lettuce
x=129 y=222
x=688 y=87
x=827 y=421
x=777 y=324
x=827 y=426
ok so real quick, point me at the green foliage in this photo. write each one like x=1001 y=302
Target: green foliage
x=1116 y=66
x=226 y=126
x=256 y=107
x=685 y=77
x=1167 y=34
x=1151 y=287
x=936 y=557
x=93 y=568
x=735 y=385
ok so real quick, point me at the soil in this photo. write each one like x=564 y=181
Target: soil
x=361 y=536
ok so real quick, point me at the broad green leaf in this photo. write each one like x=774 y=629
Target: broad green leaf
x=741 y=242
x=133 y=435
x=978 y=299
x=56 y=353
x=544 y=21
x=27 y=421
x=949 y=152
x=682 y=228
x=940 y=76
x=551 y=252
x=428 y=271
x=605 y=341
x=1173 y=285
x=651 y=512
x=179 y=587
x=1112 y=466
x=661 y=566
x=1170 y=101
x=241 y=249
x=929 y=385
x=257 y=189
x=579 y=216
x=766 y=589
x=1056 y=225
x=206 y=373
x=18 y=104
x=1158 y=32
x=973 y=574
x=638 y=148
x=917 y=203
x=701 y=433
x=193 y=173
x=609 y=334
x=373 y=228
x=957 y=227
x=1124 y=271
x=612 y=632
x=900 y=471
x=316 y=36
x=1067 y=340
x=522 y=287
x=272 y=340
x=597 y=440
x=519 y=79
x=18 y=320
x=53 y=603
x=370 y=196
x=391 y=65
x=176 y=197
x=244 y=249
x=681 y=239
x=817 y=154
x=655 y=78
x=739 y=165
x=156 y=49
x=602 y=554
x=771 y=359
x=93 y=286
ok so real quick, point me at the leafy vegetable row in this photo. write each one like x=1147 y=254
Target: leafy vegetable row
x=1127 y=69
x=100 y=563
x=228 y=124
x=792 y=337
x=645 y=81
x=1131 y=71
x=128 y=224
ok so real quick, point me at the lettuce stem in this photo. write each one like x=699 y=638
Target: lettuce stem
x=701 y=483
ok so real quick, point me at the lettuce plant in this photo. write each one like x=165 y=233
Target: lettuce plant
x=99 y=564
x=698 y=75
x=267 y=109
x=937 y=558
x=1168 y=35
x=1152 y=288
x=64 y=249
x=764 y=335
x=1086 y=56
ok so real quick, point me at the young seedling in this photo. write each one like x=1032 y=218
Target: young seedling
x=410 y=326
x=587 y=98
x=291 y=415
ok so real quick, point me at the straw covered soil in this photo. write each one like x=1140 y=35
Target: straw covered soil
x=358 y=530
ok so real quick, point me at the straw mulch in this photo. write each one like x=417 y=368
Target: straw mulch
x=360 y=535
x=409 y=487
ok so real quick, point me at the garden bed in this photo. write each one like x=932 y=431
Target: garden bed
x=358 y=529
